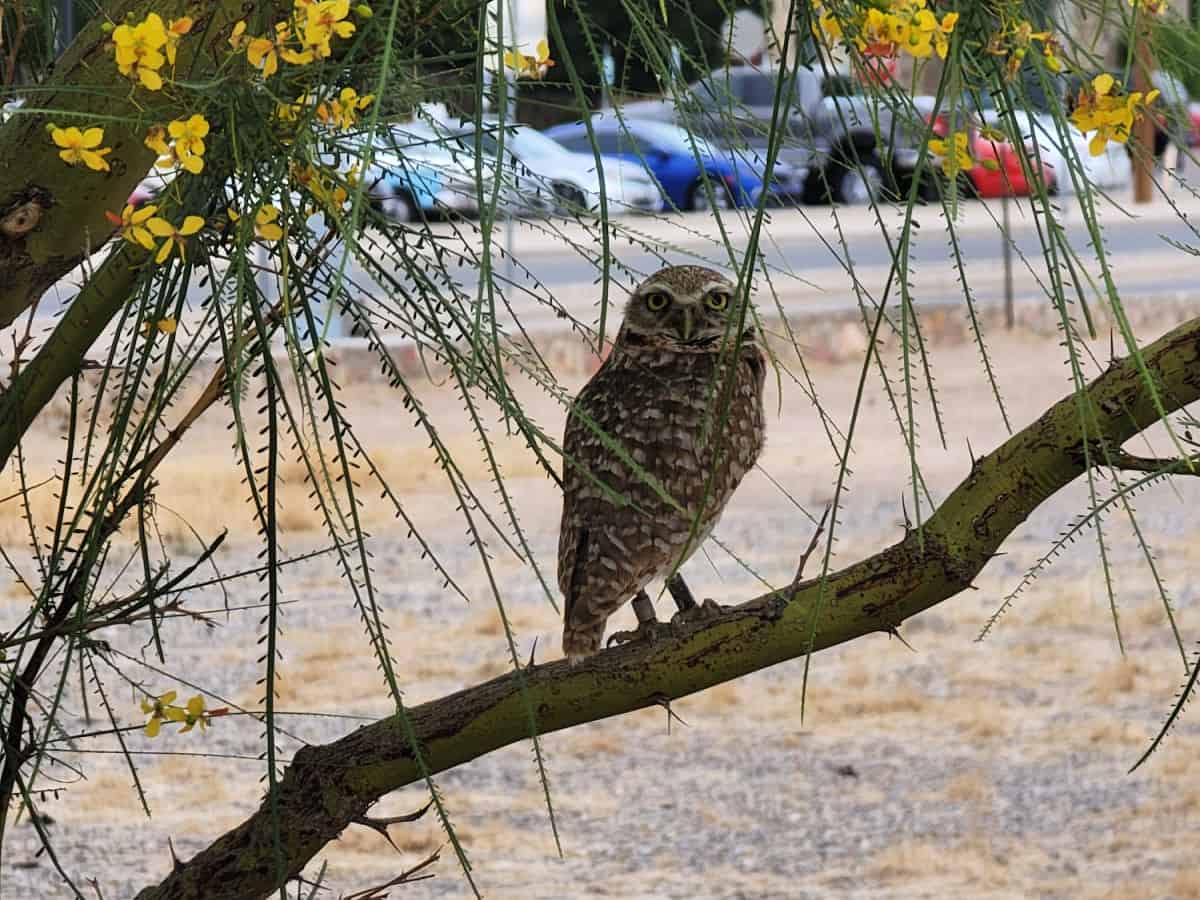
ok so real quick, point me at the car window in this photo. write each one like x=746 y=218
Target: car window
x=578 y=142
x=754 y=88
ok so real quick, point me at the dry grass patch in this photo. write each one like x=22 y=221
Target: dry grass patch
x=969 y=862
x=1116 y=679
x=102 y=796
x=884 y=700
x=1186 y=883
x=969 y=787
x=1114 y=733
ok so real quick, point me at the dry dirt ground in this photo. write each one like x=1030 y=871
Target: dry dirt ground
x=992 y=769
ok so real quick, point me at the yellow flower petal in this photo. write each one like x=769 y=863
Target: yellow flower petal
x=162 y=228
x=150 y=79
x=152 y=727
x=1103 y=83
x=1097 y=143
x=191 y=225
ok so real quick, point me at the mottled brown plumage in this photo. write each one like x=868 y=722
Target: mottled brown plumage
x=680 y=397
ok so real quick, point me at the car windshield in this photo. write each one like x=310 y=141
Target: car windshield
x=520 y=140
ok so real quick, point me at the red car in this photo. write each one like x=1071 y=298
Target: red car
x=997 y=171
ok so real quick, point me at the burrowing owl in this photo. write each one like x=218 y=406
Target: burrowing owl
x=655 y=445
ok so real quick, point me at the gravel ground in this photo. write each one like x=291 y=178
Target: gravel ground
x=993 y=769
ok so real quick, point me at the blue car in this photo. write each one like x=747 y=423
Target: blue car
x=681 y=163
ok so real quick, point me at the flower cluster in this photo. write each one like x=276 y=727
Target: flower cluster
x=266 y=225
x=163 y=709
x=142 y=226
x=954 y=152
x=527 y=66
x=1111 y=115
x=1016 y=38
x=887 y=28
x=307 y=37
x=323 y=185
x=142 y=49
x=187 y=143
x=81 y=146
x=343 y=110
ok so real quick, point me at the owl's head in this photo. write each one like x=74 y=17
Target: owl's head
x=686 y=307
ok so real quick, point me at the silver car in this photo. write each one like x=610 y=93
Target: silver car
x=572 y=178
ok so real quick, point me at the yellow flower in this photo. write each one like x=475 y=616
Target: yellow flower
x=175 y=237
x=165 y=326
x=959 y=160
x=263 y=52
x=195 y=713
x=81 y=146
x=323 y=20
x=156 y=139
x=265 y=225
x=320 y=184
x=941 y=38
x=237 y=35
x=189 y=134
x=535 y=66
x=343 y=111
x=1111 y=116
x=138 y=50
x=176 y=29
x=187 y=147
x=157 y=709
x=131 y=224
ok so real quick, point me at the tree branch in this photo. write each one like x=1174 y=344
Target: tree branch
x=329 y=787
x=86 y=89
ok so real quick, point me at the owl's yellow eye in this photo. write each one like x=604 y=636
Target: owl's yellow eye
x=657 y=301
x=717 y=300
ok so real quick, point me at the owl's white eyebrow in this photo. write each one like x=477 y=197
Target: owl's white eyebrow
x=656 y=289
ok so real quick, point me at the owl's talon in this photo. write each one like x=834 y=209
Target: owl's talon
x=646 y=631
x=709 y=609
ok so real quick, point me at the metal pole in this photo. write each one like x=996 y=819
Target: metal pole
x=1143 y=157
x=1010 y=319
x=509 y=116
x=66 y=24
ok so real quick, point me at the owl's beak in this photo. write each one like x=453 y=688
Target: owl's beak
x=688 y=324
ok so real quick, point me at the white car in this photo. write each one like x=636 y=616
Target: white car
x=417 y=157
x=572 y=177
x=1111 y=169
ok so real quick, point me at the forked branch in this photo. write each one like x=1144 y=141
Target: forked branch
x=331 y=786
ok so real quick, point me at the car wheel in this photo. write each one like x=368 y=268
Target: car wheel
x=857 y=184
x=697 y=196
x=399 y=207
x=570 y=200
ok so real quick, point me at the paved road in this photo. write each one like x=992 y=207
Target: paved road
x=808 y=276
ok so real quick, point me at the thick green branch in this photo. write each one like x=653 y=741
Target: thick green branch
x=328 y=787
x=65 y=203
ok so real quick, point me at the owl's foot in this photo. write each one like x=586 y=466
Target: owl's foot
x=649 y=628
x=702 y=612
x=649 y=631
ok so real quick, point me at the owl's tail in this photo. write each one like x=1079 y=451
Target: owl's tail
x=581 y=640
